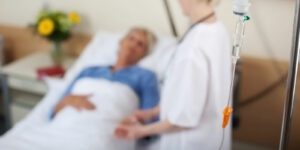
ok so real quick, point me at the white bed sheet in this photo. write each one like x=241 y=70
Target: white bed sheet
x=74 y=130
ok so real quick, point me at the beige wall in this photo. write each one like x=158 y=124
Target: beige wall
x=97 y=14
x=271 y=19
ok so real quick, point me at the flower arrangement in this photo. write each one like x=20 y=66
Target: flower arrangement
x=56 y=26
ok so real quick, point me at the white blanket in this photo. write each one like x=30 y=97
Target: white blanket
x=79 y=130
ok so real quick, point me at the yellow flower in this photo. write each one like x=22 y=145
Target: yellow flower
x=46 y=27
x=74 y=17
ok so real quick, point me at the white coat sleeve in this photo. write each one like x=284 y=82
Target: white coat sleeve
x=188 y=87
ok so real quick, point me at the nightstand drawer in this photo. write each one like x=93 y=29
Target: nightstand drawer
x=27 y=85
x=18 y=113
x=22 y=104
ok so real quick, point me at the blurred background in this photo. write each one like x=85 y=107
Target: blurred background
x=260 y=88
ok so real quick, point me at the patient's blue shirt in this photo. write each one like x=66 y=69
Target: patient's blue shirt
x=142 y=81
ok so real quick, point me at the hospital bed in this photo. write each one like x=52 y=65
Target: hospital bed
x=102 y=50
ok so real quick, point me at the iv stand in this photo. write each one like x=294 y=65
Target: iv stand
x=291 y=83
x=170 y=17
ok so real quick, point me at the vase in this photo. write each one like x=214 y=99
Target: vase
x=57 y=55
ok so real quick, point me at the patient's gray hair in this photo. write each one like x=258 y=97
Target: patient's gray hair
x=151 y=37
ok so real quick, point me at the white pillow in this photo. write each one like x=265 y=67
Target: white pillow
x=103 y=49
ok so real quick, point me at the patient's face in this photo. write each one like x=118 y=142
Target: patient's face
x=133 y=47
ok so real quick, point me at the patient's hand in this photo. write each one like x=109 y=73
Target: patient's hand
x=77 y=101
x=142 y=116
x=136 y=117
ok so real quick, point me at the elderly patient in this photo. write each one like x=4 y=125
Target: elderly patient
x=104 y=95
x=132 y=48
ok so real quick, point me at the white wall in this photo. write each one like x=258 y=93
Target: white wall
x=270 y=27
x=271 y=20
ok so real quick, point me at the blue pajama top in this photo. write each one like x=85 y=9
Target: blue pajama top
x=143 y=82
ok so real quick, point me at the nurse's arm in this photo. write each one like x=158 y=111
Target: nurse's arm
x=160 y=128
x=136 y=131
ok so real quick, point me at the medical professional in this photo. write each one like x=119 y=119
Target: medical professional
x=195 y=90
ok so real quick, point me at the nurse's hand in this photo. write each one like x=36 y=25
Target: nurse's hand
x=135 y=131
x=130 y=131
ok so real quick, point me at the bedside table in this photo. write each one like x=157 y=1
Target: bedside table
x=25 y=89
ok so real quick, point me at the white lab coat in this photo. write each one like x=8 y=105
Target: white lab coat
x=196 y=90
